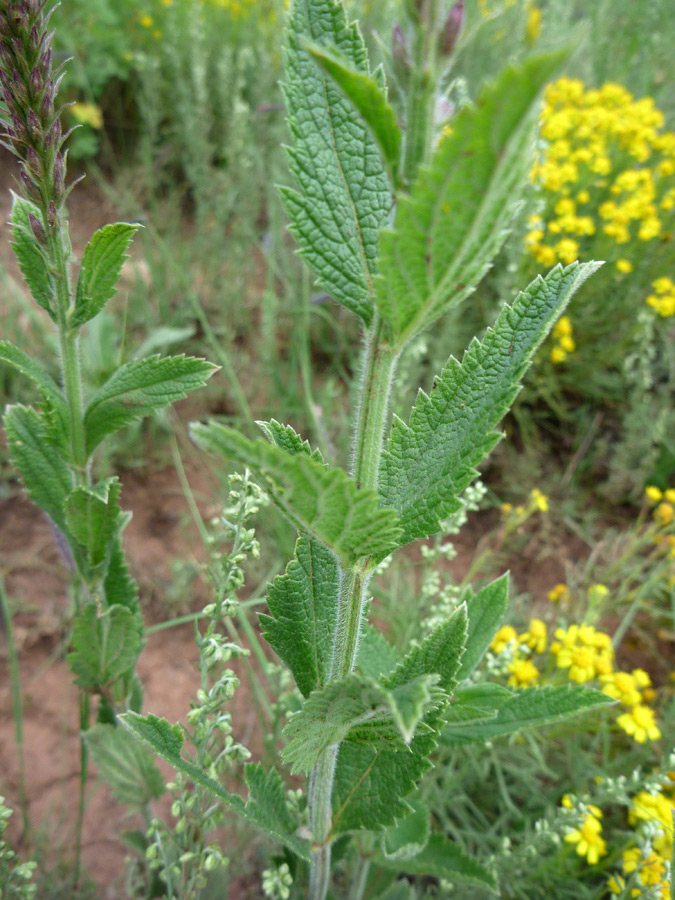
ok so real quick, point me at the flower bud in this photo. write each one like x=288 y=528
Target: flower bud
x=399 y=50
x=34 y=163
x=34 y=124
x=451 y=29
x=52 y=216
x=37 y=229
x=35 y=82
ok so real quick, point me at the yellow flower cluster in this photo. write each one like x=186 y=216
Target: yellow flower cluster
x=607 y=167
x=662 y=300
x=562 y=334
x=585 y=652
x=559 y=593
x=664 y=505
x=588 y=837
x=648 y=864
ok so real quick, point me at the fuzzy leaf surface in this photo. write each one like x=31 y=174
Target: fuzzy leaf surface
x=43 y=470
x=92 y=516
x=266 y=807
x=139 y=387
x=125 y=765
x=486 y=611
x=371 y=784
x=527 y=708
x=120 y=588
x=429 y=462
x=409 y=835
x=323 y=503
x=343 y=195
x=357 y=709
x=440 y=654
x=105 y=647
x=52 y=394
x=376 y=656
x=287 y=438
x=454 y=222
x=442 y=858
x=100 y=270
x=30 y=256
x=369 y=99
x=303 y=605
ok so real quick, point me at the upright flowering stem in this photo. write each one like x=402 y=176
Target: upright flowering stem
x=32 y=132
x=377 y=371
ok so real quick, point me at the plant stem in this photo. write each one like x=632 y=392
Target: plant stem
x=420 y=98
x=379 y=364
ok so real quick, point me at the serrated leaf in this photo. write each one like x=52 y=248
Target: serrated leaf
x=43 y=470
x=428 y=463
x=30 y=256
x=138 y=388
x=51 y=393
x=92 y=516
x=440 y=654
x=376 y=656
x=453 y=224
x=287 y=438
x=323 y=503
x=100 y=270
x=528 y=708
x=303 y=604
x=120 y=588
x=105 y=647
x=485 y=610
x=358 y=709
x=343 y=195
x=369 y=100
x=125 y=765
x=408 y=836
x=371 y=785
x=266 y=807
x=441 y=858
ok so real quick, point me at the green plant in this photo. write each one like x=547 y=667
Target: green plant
x=54 y=446
x=398 y=229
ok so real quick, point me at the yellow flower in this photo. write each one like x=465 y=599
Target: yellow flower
x=533 y=27
x=664 y=513
x=567 y=344
x=587 y=653
x=588 y=840
x=563 y=327
x=653 y=493
x=567 y=250
x=523 y=673
x=535 y=636
x=87 y=114
x=623 y=687
x=616 y=884
x=640 y=723
x=558 y=355
x=146 y=21
x=504 y=636
x=559 y=593
x=624 y=265
x=539 y=500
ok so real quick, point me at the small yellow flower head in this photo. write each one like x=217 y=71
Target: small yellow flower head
x=567 y=344
x=558 y=355
x=597 y=593
x=640 y=723
x=563 y=327
x=523 y=673
x=503 y=638
x=653 y=494
x=664 y=513
x=146 y=21
x=670 y=495
x=535 y=637
x=616 y=884
x=533 y=27
x=539 y=500
x=651 y=868
x=567 y=802
x=624 y=266
x=621 y=686
x=588 y=840
x=87 y=114
x=559 y=593
x=506 y=508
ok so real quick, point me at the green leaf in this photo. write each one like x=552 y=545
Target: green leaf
x=92 y=516
x=303 y=605
x=371 y=784
x=440 y=653
x=322 y=503
x=287 y=438
x=343 y=195
x=409 y=836
x=358 y=709
x=139 y=387
x=448 y=231
x=100 y=270
x=369 y=99
x=430 y=462
x=527 y=708
x=51 y=393
x=120 y=587
x=105 y=647
x=43 y=470
x=125 y=765
x=30 y=255
x=441 y=858
x=486 y=610
x=376 y=656
x=266 y=807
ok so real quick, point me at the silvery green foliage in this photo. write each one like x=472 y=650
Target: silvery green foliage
x=372 y=716
x=15 y=876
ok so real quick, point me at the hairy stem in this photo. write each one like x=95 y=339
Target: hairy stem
x=379 y=364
